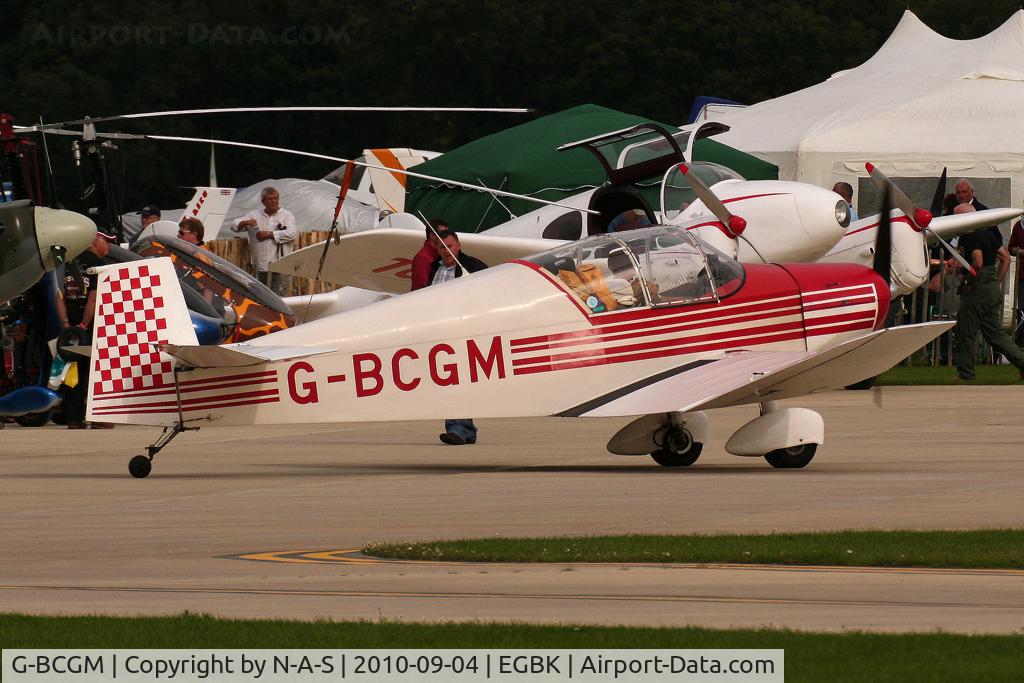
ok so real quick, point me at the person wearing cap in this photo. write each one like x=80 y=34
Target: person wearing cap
x=77 y=309
x=271 y=234
x=150 y=214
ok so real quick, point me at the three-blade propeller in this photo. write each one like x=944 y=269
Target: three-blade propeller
x=919 y=218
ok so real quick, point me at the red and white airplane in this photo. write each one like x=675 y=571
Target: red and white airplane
x=651 y=323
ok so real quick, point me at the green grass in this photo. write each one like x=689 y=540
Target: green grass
x=993 y=548
x=912 y=375
x=837 y=657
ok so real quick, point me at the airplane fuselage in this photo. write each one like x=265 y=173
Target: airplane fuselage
x=506 y=341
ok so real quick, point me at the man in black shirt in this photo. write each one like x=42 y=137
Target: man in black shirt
x=77 y=309
x=981 y=303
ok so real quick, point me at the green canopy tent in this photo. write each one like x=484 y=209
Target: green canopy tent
x=524 y=159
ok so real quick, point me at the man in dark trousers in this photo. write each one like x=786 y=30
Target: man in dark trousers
x=981 y=303
x=77 y=309
x=452 y=263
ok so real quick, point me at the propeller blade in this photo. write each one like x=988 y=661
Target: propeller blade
x=735 y=225
x=883 y=241
x=940 y=194
x=953 y=252
x=919 y=218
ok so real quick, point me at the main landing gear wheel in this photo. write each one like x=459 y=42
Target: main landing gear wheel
x=793 y=457
x=678 y=449
x=140 y=466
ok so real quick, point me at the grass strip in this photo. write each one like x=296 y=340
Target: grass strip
x=988 y=548
x=836 y=657
x=912 y=375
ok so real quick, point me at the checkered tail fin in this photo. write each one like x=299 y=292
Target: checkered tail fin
x=138 y=305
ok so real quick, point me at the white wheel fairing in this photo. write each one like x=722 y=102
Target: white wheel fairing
x=779 y=429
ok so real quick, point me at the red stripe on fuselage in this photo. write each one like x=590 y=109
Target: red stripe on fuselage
x=725 y=336
x=609 y=360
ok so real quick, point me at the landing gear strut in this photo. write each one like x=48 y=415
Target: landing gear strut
x=141 y=465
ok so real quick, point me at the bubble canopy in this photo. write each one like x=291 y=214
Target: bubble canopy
x=657 y=266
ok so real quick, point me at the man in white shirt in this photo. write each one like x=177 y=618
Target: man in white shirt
x=271 y=233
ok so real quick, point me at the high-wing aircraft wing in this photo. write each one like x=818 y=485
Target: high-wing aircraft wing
x=751 y=377
x=381 y=260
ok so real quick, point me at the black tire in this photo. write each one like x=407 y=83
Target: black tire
x=669 y=459
x=792 y=458
x=58 y=417
x=140 y=466
x=33 y=419
x=678 y=448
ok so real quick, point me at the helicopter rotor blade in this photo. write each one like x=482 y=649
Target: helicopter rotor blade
x=236 y=110
x=342 y=160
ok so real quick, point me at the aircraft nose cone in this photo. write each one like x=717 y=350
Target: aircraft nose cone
x=57 y=227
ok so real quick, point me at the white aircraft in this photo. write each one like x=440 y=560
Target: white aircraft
x=815 y=230
x=554 y=334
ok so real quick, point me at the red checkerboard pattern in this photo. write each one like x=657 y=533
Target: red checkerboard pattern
x=129 y=321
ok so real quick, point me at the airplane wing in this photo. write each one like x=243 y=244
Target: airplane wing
x=237 y=355
x=750 y=377
x=380 y=260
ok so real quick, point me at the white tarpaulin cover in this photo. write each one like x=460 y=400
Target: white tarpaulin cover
x=923 y=101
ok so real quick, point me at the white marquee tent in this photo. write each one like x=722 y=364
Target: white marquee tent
x=923 y=101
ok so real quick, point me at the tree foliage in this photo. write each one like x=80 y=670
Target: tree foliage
x=63 y=60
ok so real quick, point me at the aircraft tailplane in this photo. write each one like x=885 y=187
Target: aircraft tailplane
x=139 y=305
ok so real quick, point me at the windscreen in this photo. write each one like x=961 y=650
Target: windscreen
x=676 y=192
x=658 y=266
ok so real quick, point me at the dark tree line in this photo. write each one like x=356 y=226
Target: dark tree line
x=62 y=60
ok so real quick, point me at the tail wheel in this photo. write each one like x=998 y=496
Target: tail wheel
x=140 y=466
x=793 y=457
x=678 y=449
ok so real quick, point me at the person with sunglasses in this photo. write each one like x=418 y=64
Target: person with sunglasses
x=191 y=230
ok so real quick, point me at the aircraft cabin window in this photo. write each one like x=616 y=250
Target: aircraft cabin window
x=679 y=270
x=568 y=226
x=662 y=266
